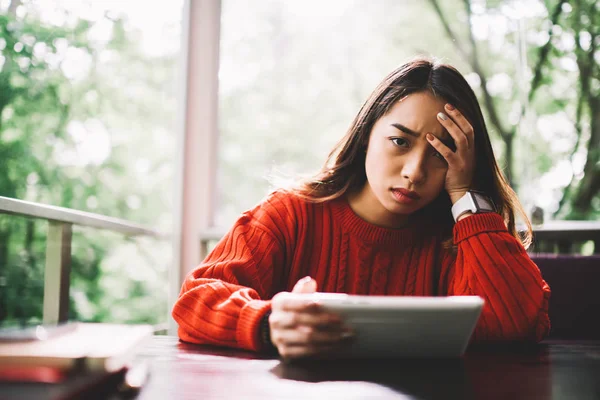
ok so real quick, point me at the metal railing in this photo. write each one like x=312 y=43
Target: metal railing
x=551 y=237
x=565 y=236
x=58 y=246
x=208 y=237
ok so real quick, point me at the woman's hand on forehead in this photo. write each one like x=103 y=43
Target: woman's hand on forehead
x=461 y=161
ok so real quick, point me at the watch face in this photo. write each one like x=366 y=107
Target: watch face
x=482 y=202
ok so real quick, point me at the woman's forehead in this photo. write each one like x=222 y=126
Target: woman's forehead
x=424 y=101
x=418 y=112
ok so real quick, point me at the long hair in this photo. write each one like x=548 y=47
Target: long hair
x=344 y=170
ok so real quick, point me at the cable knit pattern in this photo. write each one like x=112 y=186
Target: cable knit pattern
x=381 y=269
x=285 y=238
x=340 y=285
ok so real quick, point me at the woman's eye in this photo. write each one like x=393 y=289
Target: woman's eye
x=439 y=155
x=400 y=142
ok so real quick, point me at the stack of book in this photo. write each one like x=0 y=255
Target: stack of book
x=75 y=360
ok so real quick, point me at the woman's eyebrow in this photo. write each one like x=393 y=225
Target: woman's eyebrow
x=405 y=129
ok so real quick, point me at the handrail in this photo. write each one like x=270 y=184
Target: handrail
x=568 y=226
x=75 y=217
x=564 y=234
x=215 y=233
x=58 y=246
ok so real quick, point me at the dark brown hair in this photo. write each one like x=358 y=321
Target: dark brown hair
x=344 y=171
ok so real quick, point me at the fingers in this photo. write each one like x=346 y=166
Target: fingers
x=308 y=336
x=464 y=125
x=292 y=302
x=441 y=148
x=460 y=139
x=286 y=301
x=291 y=319
x=461 y=131
x=457 y=125
x=305 y=285
x=300 y=327
x=304 y=341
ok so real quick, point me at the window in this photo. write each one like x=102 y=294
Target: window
x=88 y=110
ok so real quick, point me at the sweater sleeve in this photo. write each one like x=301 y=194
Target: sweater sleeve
x=223 y=300
x=493 y=264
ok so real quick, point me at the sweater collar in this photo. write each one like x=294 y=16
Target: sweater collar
x=368 y=232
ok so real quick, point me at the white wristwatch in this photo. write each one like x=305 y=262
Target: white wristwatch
x=475 y=202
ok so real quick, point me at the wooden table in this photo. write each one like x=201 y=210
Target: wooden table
x=553 y=370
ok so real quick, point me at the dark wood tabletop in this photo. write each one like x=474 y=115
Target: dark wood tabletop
x=550 y=370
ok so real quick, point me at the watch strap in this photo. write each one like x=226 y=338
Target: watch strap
x=474 y=202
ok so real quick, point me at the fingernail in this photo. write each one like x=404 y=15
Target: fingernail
x=442 y=116
x=429 y=136
x=450 y=107
x=304 y=280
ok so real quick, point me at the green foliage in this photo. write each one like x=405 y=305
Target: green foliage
x=50 y=107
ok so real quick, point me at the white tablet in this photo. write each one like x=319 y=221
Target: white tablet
x=405 y=326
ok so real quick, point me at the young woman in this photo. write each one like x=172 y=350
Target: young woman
x=390 y=213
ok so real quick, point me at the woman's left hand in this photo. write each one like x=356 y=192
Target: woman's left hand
x=461 y=163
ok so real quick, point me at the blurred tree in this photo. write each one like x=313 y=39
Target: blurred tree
x=84 y=124
x=22 y=102
x=563 y=22
x=583 y=23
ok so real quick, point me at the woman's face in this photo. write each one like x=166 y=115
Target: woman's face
x=404 y=172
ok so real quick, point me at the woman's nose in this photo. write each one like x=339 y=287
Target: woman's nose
x=414 y=170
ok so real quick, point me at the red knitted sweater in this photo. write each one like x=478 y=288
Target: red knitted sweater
x=284 y=239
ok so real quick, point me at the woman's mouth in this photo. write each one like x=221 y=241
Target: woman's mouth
x=405 y=196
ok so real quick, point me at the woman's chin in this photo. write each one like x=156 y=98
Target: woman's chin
x=399 y=209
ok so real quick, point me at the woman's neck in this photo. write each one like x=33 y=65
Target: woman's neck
x=365 y=204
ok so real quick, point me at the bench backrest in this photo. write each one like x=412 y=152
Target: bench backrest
x=574 y=306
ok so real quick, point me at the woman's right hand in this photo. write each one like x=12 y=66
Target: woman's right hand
x=301 y=327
